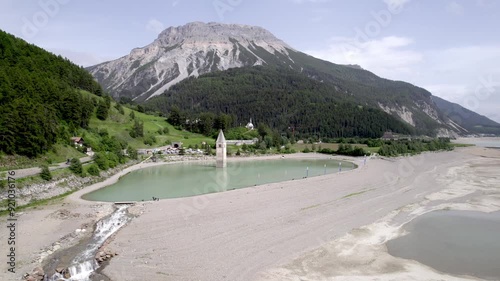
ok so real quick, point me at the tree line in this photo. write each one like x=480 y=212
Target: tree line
x=399 y=147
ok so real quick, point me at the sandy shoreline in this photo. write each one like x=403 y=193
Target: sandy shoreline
x=279 y=231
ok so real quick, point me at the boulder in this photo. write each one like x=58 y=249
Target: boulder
x=59 y=269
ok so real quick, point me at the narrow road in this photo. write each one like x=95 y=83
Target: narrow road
x=22 y=173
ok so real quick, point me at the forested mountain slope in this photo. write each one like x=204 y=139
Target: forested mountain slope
x=39 y=97
x=280 y=98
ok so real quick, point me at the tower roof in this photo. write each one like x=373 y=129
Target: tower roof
x=221 y=137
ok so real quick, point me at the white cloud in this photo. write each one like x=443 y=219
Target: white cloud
x=155 y=26
x=467 y=75
x=388 y=56
x=455 y=8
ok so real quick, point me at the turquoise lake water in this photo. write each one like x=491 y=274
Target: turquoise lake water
x=190 y=179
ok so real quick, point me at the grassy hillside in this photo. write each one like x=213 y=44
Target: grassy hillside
x=117 y=126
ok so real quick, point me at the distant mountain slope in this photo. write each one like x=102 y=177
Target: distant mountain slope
x=412 y=104
x=39 y=97
x=198 y=48
x=467 y=121
x=283 y=99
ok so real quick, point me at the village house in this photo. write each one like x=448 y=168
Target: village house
x=77 y=141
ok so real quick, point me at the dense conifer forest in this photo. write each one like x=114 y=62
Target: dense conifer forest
x=40 y=98
x=285 y=100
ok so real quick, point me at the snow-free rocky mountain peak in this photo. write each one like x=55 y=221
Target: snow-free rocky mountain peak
x=184 y=51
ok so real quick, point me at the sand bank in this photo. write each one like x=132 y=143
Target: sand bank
x=260 y=232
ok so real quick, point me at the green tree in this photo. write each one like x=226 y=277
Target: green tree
x=101 y=161
x=263 y=130
x=113 y=159
x=45 y=173
x=102 y=111
x=137 y=129
x=132 y=153
x=206 y=123
x=175 y=117
x=119 y=107
x=93 y=170
x=107 y=101
x=76 y=166
x=222 y=122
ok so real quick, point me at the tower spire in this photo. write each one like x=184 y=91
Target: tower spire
x=220 y=150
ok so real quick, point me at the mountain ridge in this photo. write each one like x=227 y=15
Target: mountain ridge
x=181 y=52
x=197 y=48
x=465 y=120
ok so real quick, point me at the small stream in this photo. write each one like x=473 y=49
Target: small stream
x=84 y=264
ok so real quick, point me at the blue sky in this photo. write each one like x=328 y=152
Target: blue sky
x=450 y=47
